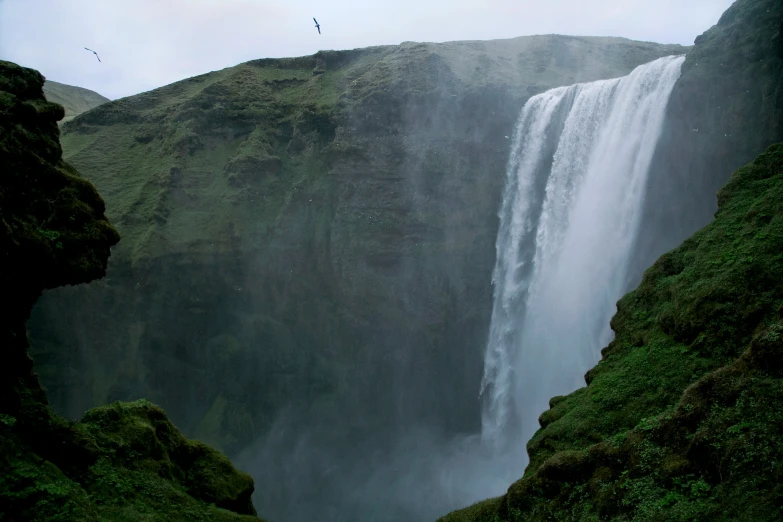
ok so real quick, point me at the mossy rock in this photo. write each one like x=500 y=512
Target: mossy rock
x=34 y=489
x=142 y=467
x=140 y=437
x=53 y=229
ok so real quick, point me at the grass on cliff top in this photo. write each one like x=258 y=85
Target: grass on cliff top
x=163 y=160
x=681 y=418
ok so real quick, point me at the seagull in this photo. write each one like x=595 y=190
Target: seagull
x=317 y=26
x=96 y=54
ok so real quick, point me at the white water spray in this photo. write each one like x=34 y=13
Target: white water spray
x=569 y=217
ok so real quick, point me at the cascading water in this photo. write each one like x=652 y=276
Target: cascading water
x=569 y=217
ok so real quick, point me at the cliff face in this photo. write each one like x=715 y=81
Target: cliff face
x=681 y=418
x=124 y=460
x=75 y=100
x=304 y=233
x=726 y=108
x=53 y=229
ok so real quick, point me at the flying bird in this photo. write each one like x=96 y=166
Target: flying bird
x=317 y=26
x=96 y=54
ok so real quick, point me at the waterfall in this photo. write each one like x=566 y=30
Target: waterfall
x=570 y=213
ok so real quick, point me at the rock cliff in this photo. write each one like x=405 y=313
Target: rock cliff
x=123 y=461
x=725 y=110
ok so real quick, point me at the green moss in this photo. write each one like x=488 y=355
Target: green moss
x=145 y=470
x=680 y=419
x=36 y=490
x=139 y=437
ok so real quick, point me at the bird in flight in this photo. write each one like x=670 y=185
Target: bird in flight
x=96 y=54
x=317 y=26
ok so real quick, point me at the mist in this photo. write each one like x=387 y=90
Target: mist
x=304 y=472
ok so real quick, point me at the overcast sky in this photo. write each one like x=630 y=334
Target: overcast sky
x=145 y=44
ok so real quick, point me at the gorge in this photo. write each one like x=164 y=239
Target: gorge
x=305 y=275
x=307 y=252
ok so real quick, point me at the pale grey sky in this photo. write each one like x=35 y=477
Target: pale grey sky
x=149 y=43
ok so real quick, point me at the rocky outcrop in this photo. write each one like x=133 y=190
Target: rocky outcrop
x=140 y=438
x=123 y=461
x=53 y=229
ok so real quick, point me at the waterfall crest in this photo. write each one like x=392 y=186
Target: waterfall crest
x=568 y=220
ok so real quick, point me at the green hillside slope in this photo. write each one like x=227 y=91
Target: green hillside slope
x=75 y=100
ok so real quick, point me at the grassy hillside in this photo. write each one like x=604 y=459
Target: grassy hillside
x=124 y=461
x=75 y=100
x=681 y=418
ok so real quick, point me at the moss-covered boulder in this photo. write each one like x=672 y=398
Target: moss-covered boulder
x=140 y=436
x=125 y=462
x=681 y=419
x=141 y=468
